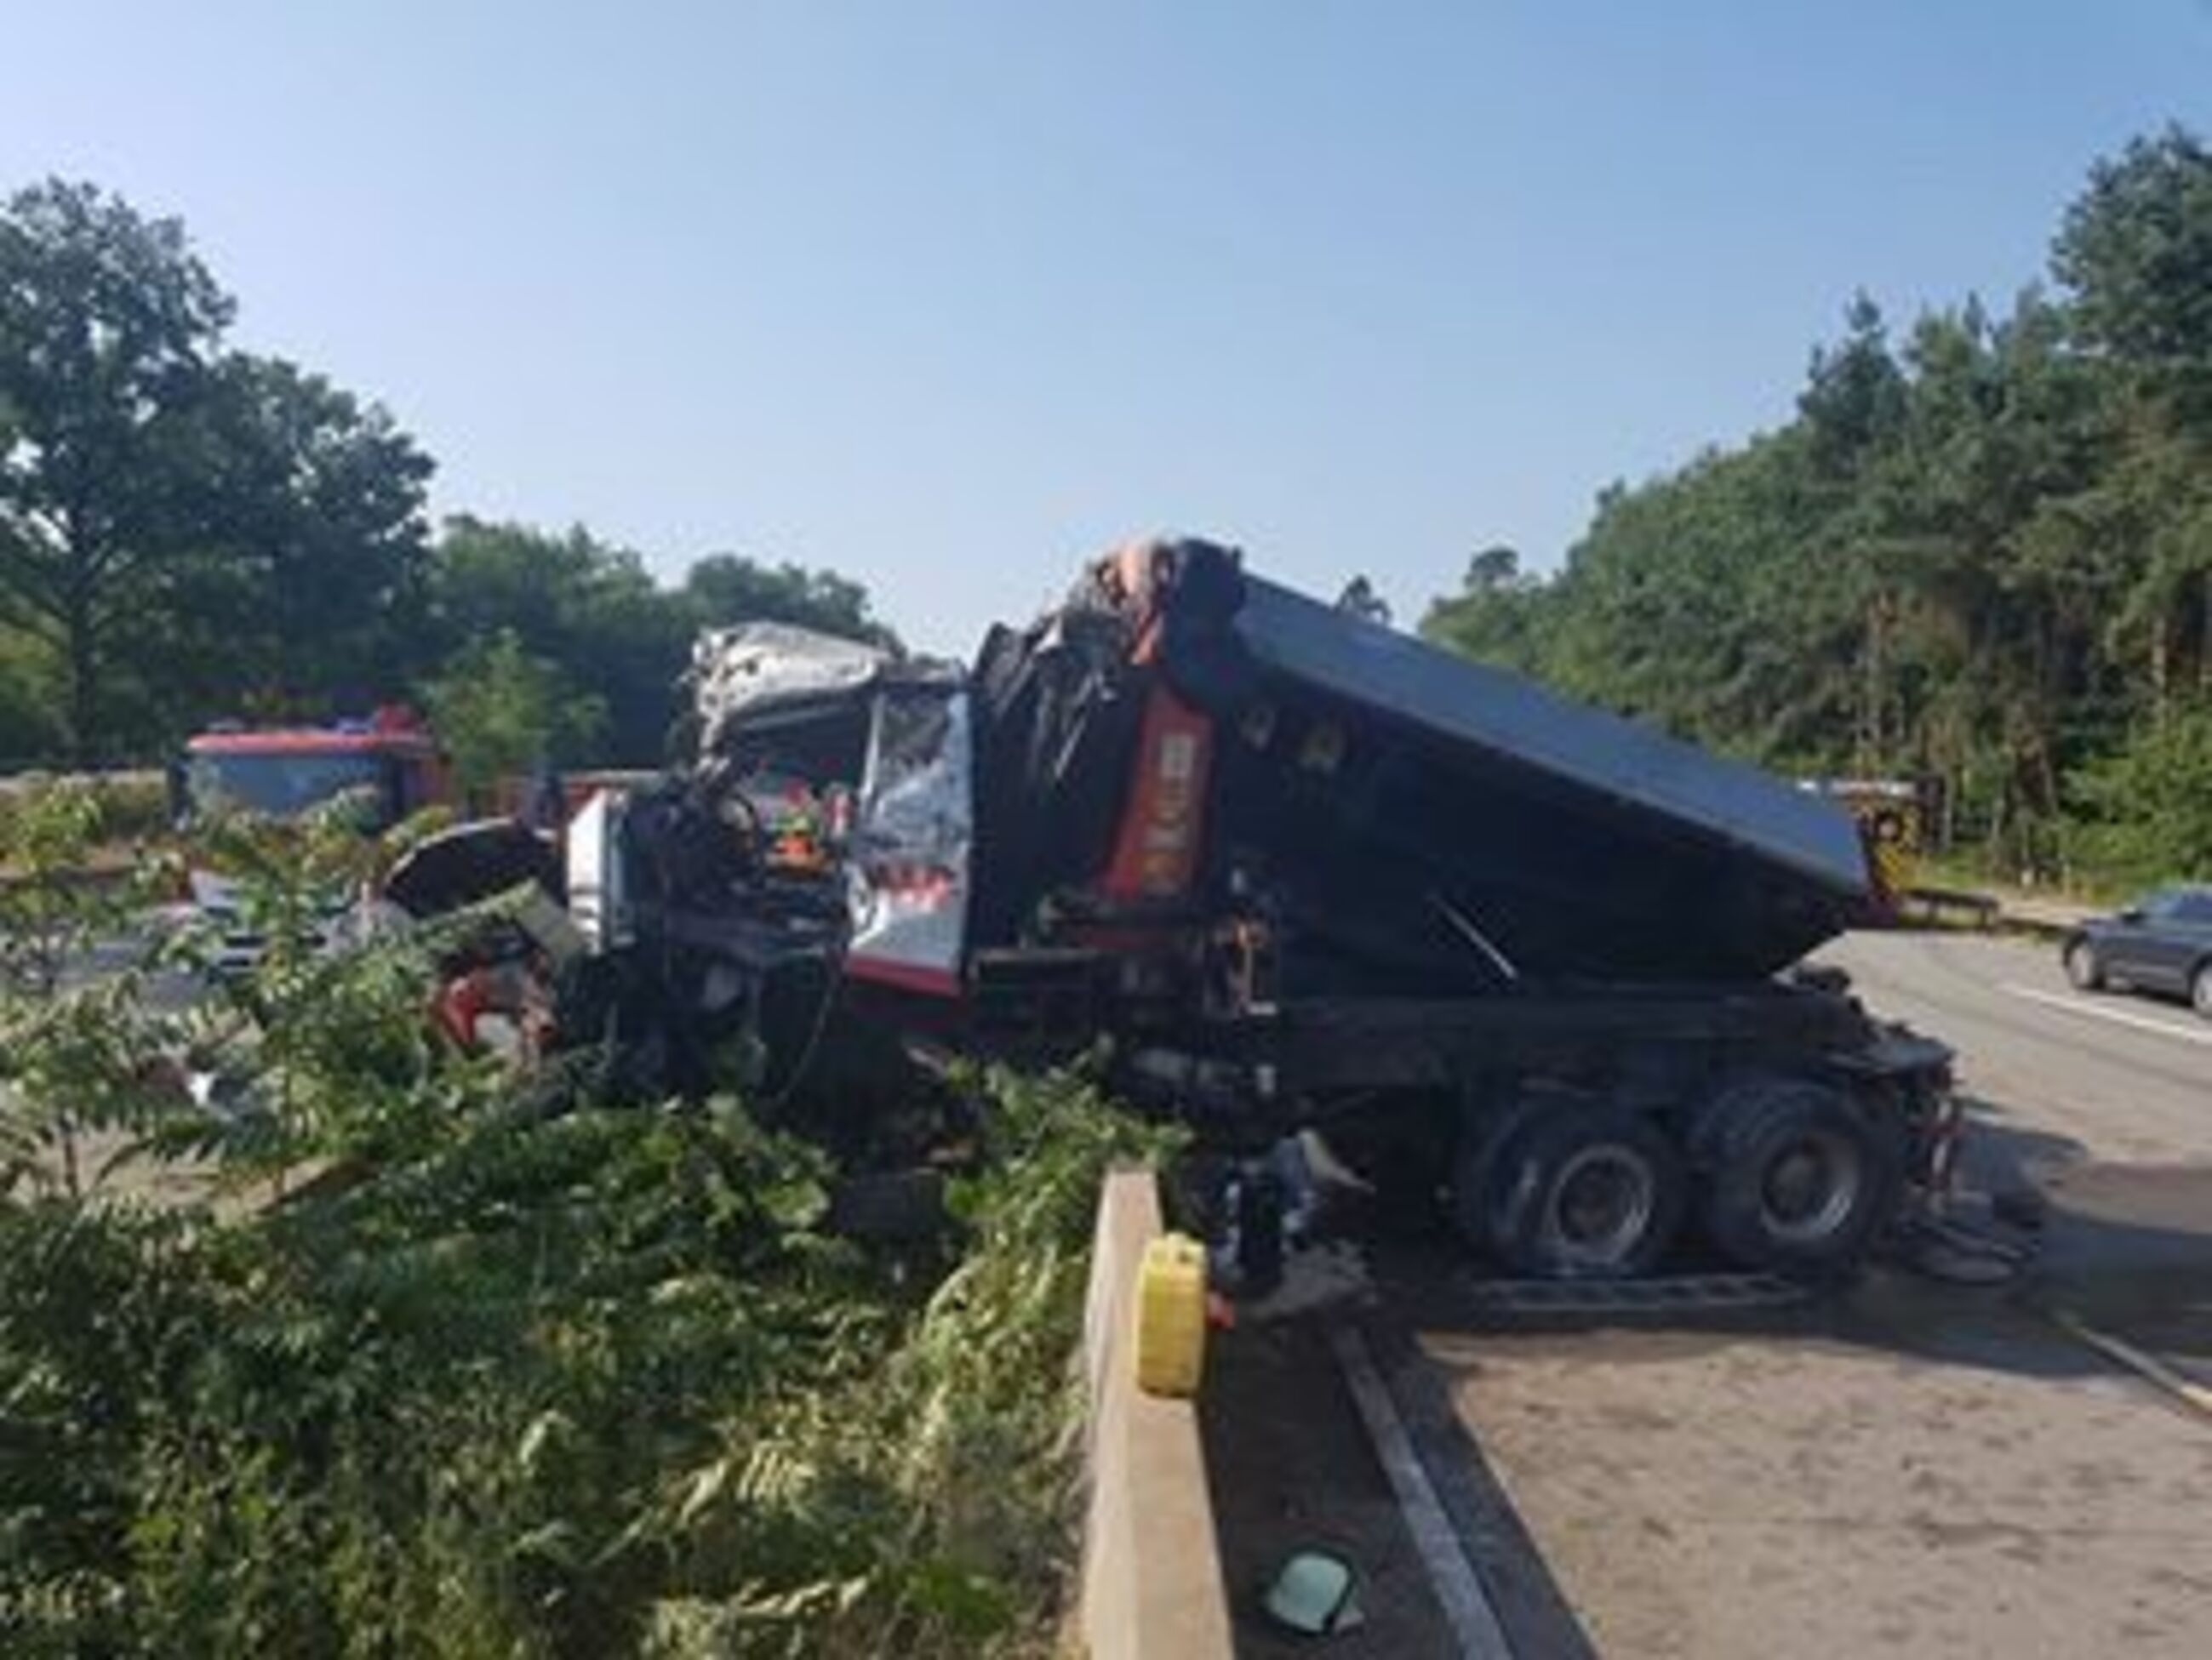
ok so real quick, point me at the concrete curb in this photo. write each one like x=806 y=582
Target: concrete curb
x=1151 y=1570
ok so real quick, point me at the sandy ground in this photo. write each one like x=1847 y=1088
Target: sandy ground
x=1790 y=1494
x=1919 y=1469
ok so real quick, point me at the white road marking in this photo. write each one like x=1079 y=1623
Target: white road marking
x=2117 y=1016
x=1458 y=1588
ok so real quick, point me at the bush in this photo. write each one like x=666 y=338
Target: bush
x=133 y=807
x=125 y=807
x=920 y=1505
x=487 y=1381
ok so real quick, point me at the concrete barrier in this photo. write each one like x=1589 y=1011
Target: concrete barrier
x=1152 y=1571
x=1932 y=905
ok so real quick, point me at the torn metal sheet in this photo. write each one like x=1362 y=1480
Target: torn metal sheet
x=759 y=666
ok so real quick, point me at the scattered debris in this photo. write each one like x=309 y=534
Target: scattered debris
x=2020 y=1206
x=1333 y=1274
x=1316 y=1595
x=1944 y=1247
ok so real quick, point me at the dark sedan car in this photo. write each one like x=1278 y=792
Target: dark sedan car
x=2162 y=943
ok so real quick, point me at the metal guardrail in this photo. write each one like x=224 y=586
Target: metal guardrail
x=2049 y=919
x=1931 y=905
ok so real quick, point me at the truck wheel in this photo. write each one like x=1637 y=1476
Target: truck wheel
x=1800 y=1180
x=2083 y=972
x=1584 y=1193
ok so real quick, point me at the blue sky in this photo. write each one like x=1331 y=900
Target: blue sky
x=949 y=296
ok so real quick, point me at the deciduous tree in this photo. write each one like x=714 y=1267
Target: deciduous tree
x=110 y=327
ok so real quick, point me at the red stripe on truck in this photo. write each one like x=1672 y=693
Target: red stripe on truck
x=1156 y=852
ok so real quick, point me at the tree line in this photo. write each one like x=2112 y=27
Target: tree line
x=1979 y=555
x=191 y=532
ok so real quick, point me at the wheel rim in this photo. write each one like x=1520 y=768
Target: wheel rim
x=2081 y=968
x=2199 y=991
x=1601 y=1206
x=1810 y=1185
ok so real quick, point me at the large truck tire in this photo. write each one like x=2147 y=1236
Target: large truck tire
x=1799 y=1180
x=1575 y=1192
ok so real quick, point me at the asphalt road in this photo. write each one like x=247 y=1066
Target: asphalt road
x=2129 y=1078
x=1918 y=1469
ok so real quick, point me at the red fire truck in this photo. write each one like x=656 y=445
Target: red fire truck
x=283 y=771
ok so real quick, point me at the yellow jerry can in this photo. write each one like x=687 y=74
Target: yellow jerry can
x=1171 y=1316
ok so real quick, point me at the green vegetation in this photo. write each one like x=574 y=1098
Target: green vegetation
x=1982 y=556
x=189 y=532
x=593 y=616
x=405 y=1362
x=500 y=711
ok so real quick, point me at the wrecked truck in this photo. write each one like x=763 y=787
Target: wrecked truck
x=1292 y=872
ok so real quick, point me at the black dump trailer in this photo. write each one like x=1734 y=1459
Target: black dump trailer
x=1301 y=873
